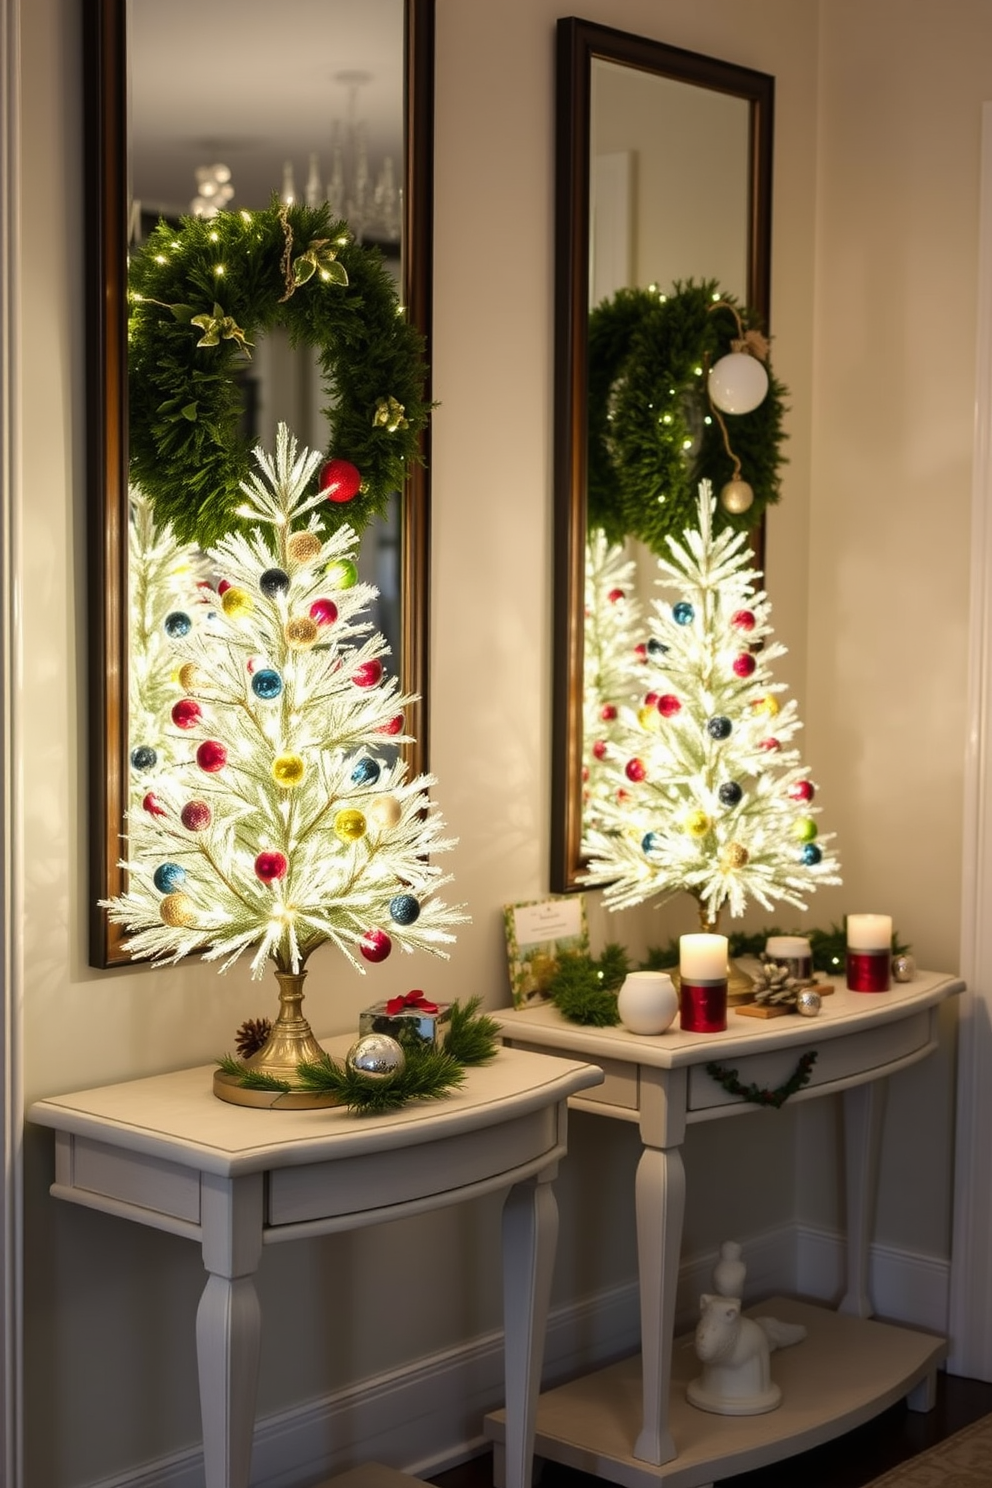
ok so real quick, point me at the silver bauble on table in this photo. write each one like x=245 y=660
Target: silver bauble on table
x=808 y=1002
x=903 y=968
x=376 y=1056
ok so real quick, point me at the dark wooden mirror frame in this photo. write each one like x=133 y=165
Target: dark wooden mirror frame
x=578 y=44
x=106 y=153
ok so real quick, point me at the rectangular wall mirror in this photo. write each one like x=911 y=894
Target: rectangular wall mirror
x=184 y=109
x=663 y=174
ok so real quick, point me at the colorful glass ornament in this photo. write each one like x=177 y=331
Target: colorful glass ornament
x=303 y=547
x=385 y=811
x=343 y=572
x=367 y=771
x=144 y=757
x=735 y=855
x=635 y=770
x=237 y=603
x=324 y=611
x=744 y=664
x=266 y=684
x=650 y=700
x=650 y=841
x=656 y=647
x=153 y=805
x=804 y=830
x=683 y=613
x=196 y=816
x=719 y=727
x=394 y=726
x=271 y=866
x=349 y=825
x=669 y=705
x=211 y=756
x=288 y=770
x=375 y=945
x=599 y=749
x=802 y=790
x=743 y=620
x=177 y=910
x=190 y=676
x=811 y=854
x=649 y=719
x=608 y=712
x=339 y=480
x=697 y=823
x=769 y=745
x=168 y=876
x=730 y=793
x=186 y=713
x=177 y=625
x=404 y=909
x=767 y=705
x=615 y=595
x=369 y=674
x=273 y=581
x=301 y=632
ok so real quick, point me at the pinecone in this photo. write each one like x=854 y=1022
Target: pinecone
x=251 y=1036
x=774 y=985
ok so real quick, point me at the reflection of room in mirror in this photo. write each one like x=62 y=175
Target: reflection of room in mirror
x=668 y=183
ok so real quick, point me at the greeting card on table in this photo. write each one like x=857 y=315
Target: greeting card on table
x=537 y=932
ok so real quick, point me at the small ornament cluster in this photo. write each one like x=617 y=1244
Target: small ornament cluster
x=775 y=986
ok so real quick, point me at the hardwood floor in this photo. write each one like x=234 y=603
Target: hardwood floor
x=850 y=1461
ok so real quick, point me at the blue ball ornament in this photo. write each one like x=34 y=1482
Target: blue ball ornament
x=266 y=684
x=177 y=624
x=719 y=727
x=650 y=841
x=366 y=771
x=811 y=854
x=683 y=613
x=144 y=757
x=274 y=581
x=405 y=909
x=730 y=793
x=168 y=877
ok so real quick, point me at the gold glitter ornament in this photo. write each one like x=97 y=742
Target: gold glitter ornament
x=736 y=496
x=697 y=824
x=288 y=770
x=385 y=811
x=303 y=547
x=301 y=632
x=177 y=910
x=735 y=855
x=190 y=676
x=237 y=603
x=349 y=825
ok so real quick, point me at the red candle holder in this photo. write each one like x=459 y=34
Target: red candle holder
x=703 y=1006
x=869 y=971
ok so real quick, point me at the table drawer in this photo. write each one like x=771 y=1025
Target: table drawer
x=851 y=1059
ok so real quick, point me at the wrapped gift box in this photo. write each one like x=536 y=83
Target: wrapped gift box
x=412 y=1019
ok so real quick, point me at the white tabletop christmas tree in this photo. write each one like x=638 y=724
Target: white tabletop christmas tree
x=710 y=795
x=287 y=821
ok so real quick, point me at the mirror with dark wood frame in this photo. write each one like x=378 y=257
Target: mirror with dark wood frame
x=582 y=49
x=108 y=229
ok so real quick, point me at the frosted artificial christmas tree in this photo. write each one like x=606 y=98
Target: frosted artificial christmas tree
x=613 y=663
x=711 y=797
x=285 y=822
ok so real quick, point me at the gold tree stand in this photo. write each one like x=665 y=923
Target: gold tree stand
x=290 y=1043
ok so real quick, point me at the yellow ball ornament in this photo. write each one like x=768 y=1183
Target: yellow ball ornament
x=177 y=910
x=385 y=811
x=767 y=705
x=735 y=855
x=349 y=825
x=697 y=824
x=303 y=547
x=288 y=770
x=237 y=603
x=649 y=718
x=804 y=830
x=301 y=632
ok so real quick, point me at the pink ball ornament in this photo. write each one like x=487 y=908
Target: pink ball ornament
x=271 y=866
x=369 y=674
x=186 y=714
x=339 y=480
x=375 y=945
x=211 y=756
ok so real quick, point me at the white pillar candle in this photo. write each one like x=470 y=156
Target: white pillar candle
x=703 y=958
x=787 y=947
x=869 y=932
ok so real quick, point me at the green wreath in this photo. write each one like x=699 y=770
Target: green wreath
x=653 y=434
x=200 y=294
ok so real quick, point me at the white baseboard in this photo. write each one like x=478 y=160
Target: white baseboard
x=427 y=1416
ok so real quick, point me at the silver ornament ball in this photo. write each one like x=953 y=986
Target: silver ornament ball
x=736 y=496
x=808 y=1002
x=376 y=1056
x=903 y=968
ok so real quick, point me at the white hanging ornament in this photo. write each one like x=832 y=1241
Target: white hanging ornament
x=737 y=383
x=736 y=496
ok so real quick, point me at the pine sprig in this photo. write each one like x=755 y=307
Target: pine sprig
x=428 y=1074
x=584 y=990
x=473 y=1038
x=251 y=1079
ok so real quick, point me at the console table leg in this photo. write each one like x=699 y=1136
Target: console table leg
x=228 y=1326
x=864 y=1106
x=530 y=1234
x=660 y=1200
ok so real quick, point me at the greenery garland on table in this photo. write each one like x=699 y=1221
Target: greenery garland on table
x=653 y=435
x=429 y=1072
x=762 y=1097
x=585 y=990
x=200 y=295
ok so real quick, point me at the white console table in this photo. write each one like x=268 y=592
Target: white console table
x=165 y=1152
x=630 y=1423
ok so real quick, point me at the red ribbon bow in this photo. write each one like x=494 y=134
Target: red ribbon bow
x=415 y=1000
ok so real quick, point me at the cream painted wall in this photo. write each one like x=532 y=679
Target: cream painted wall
x=890 y=223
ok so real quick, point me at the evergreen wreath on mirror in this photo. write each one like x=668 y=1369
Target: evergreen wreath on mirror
x=710 y=796
x=200 y=295
x=287 y=821
x=660 y=413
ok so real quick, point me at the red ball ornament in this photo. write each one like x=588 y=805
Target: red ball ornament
x=650 y=698
x=599 y=749
x=635 y=770
x=270 y=866
x=669 y=705
x=339 y=480
x=152 y=805
x=607 y=712
x=375 y=945
x=769 y=745
x=743 y=620
x=744 y=664
x=223 y=586
x=802 y=790
x=394 y=726
x=641 y=651
x=615 y=595
x=368 y=674
x=324 y=611
x=195 y=816
x=186 y=713
x=211 y=756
